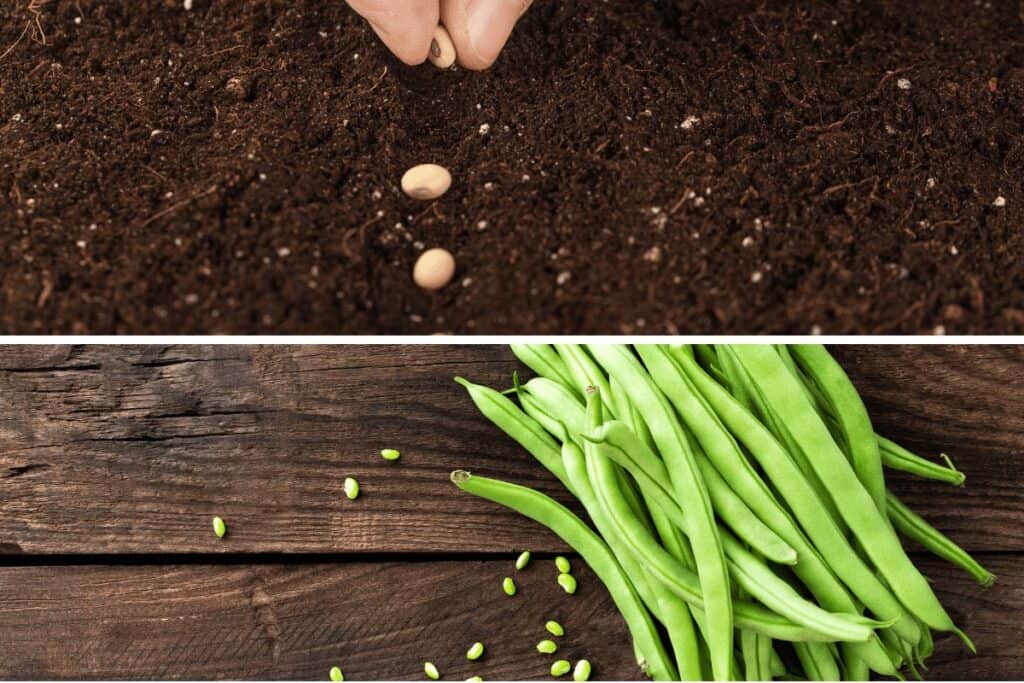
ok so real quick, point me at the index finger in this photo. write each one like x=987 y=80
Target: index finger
x=405 y=26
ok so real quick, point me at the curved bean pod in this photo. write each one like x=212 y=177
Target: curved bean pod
x=896 y=457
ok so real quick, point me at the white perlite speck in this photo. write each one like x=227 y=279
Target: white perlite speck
x=999 y=202
x=690 y=122
x=188 y=5
x=903 y=84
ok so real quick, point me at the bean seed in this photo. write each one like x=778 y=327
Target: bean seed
x=351 y=488
x=426 y=181
x=390 y=454
x=523 y=560
x=563 y=565
x=434 y=269
x=582 y=671
x=560 y=668
x=442 y=49
x=431 y=671
x=509 y=586
x=475 y=679
x=336 y=675
x=554 y=628
x=547 y=647
x=567 y=582
x=219 y=527
x=475 y=652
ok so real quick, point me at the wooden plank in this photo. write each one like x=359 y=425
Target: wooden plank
x=379 y=621
x=131 y=449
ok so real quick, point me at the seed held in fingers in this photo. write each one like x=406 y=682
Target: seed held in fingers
x=219 y=527
x=426 y=181
x=554 y=628
x=442 y=49
x=547 y=647
x=475 y=652
x=431 y=671
x=563 y=565
x=582 y=671
x=390 y=454
x=434 y=269
x=336 y=675
x=560 y=668
x=567 y=582
x=523 y=560
x=351 y=488
x=509 y=586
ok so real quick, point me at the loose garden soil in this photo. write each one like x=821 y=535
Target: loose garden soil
x=726 y=166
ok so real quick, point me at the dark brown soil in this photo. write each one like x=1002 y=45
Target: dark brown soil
x=142 y=190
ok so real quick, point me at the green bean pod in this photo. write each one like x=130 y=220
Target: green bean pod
x=896 y=457
x=818 y=661
x=782 y=392
x=591 y=548
x=544 y=360
x=913 y=526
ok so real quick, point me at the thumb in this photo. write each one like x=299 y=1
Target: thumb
x=480 y=28
x=405 y=26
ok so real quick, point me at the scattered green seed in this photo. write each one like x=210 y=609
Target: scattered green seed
x=351 y=488
x=563 y=565
x=475 y=652
x=582 y=671
x=336 y=675
x=554 y=628
x=509 y=586
x=390 y=454
x=475 y=679
x=431 y=671
x=219 y=527
x=547 y=647
x=560 y=668
x=567 y=582
x=523 y=560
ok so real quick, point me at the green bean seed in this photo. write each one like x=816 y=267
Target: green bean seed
x=582 y=671
x=390 y=454
x=336 y=675
x=560 y=668
x=351 y=488
x=475 y=651
x=431 y=671
x=567 y=582
x=523 y=560
x=219 y=527
x=475 y=679
x=554 y=628
x=563 y=565
x=547 y=647
x=509 y=586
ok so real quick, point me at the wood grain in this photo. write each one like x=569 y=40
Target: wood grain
x=379 y=621
x=131 y=449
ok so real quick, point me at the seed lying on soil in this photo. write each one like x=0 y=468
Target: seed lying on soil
x=475 y=652
x=426 y=181
x=560 y=668
x=442 y=49
x=563 y=565
x=351 y=488
x=509 y=586
x=523 y=560
x=336 y=675
x=434 y=269
x=567 y=582
x=554 y=628
x=547 y=647
x=431 y=671
x=390 y=454
x=582 y=671
x=219 y=527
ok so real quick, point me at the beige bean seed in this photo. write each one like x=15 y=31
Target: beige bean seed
x=442 y=49
x=434 y=269
x=426 y=181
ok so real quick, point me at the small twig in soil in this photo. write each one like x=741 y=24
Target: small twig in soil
x=33 y=27
x=889 y=75
x=174 y=207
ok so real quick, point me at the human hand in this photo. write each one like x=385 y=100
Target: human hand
x=479 y=28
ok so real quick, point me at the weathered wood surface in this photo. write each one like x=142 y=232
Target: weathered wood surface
x=379 y=621
x=131 y=449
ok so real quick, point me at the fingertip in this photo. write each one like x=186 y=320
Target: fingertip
x=406 y=27
x=480 y=28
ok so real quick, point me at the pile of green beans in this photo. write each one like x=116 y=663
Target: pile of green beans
x=739 y=514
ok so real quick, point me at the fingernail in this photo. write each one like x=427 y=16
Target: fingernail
x=490 y=23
